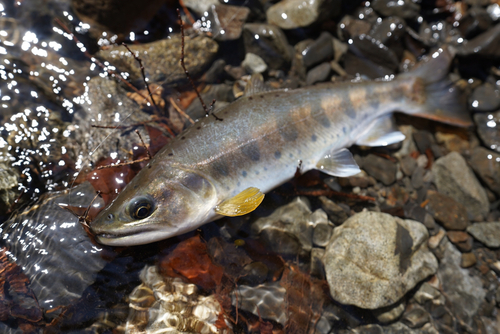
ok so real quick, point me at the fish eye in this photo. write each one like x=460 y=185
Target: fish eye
x=141 y=207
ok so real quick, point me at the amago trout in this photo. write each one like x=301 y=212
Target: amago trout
x=219 y=168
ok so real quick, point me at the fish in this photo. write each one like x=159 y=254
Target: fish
x=223 y=168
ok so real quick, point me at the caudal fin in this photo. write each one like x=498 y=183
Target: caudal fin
x=442 y=100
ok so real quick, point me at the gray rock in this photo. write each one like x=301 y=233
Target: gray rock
x=319 y=73
x=486 y=97
x=268 y=42
x=390 y=32
x=335 y=212
x=454 y=178
x=390 y=313
x=319 y=51
x=494 y=11
x=254 y=64
x=463 y=291
x=427 y=292
x=291 y=14
x=485 y=45
x=382 y=169
x=405 y=9
x=487 y=165
x=417 y=178
x=488 y=129
x=382 y=256
x=488 y=233
x=408 y=165
x=227 y=21
x=287 y=230
x=317 y=268
x=415 y=316
x=161 y=59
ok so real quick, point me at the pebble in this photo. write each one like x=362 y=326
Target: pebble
x=485 y=44
x=468 y=260
x=426 y=293
x=317 y=268
x=488 y=233
x=318 y=73
x=291 y=14
x=383 y=256
x=485 y=97
x=323 y=229
x=415 y=316
x=453 y=142
x=403 y=8
x=335 y=212
x=407 y=164
x=389 y=314
x=423 y=139
x=253 y=273
x=200 y=6
x=448 y=212
x=463 y=291
x=381 y=169
x=461 y=240
x=361 y=180
x=161 y=59
x=227 y=21
x=319 y=51
x=435 y=240
x=417 y=178
x=289 y=229
x=494 y=11
x=268 y=42
x=475 y=21
x=486 y=164
x=253 y=64
x=453 y=177
x=349 y=27
x=488 y=129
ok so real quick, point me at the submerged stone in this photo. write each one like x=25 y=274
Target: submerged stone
x=374 y=259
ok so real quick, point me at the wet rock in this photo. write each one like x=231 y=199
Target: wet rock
x=454 y=178
x=166 y=304
x=319 y=73
x=268 y=42
x=448 y=212
x=468 y=260
x=423 y=139
x=436 y=240
x=390 y=32
x=8 y=184
x=487 y=165
x=369 y=57
x=485 y=45
x=488 y=128
x=475 y=21
x=488 y=233
x=461 y=240
x=200 y=6
x=319 y=51
x=388 y=314
x=227 y=21
x=408 y=165
x=463 y=291
x=336 y=213
x=405 y=9
x=265 y=299
x=494 y=11
x=417 y=178
x=486 y=97
x=161 y=59
x=287 y=230
x=253 y=64
x=118 y=16
x=52 y=247
x=317 y=269
x=349 y=27
x=426 y=293
x=415 y=316
x=361 y=180
x=322 y=228
x=383 y=256
x=291 y=14
x=382 y=169
x=254 y=273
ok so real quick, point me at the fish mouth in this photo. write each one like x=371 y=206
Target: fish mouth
x=128 y=239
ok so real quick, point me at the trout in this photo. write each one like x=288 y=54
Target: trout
x=223 y=168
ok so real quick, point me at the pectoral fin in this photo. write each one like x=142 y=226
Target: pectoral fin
x=339 y=163
x=241 y=204
x=381 y=132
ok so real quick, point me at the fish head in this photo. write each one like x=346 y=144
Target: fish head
x=157 y=204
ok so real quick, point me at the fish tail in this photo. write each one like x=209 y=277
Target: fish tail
x=436 y=97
